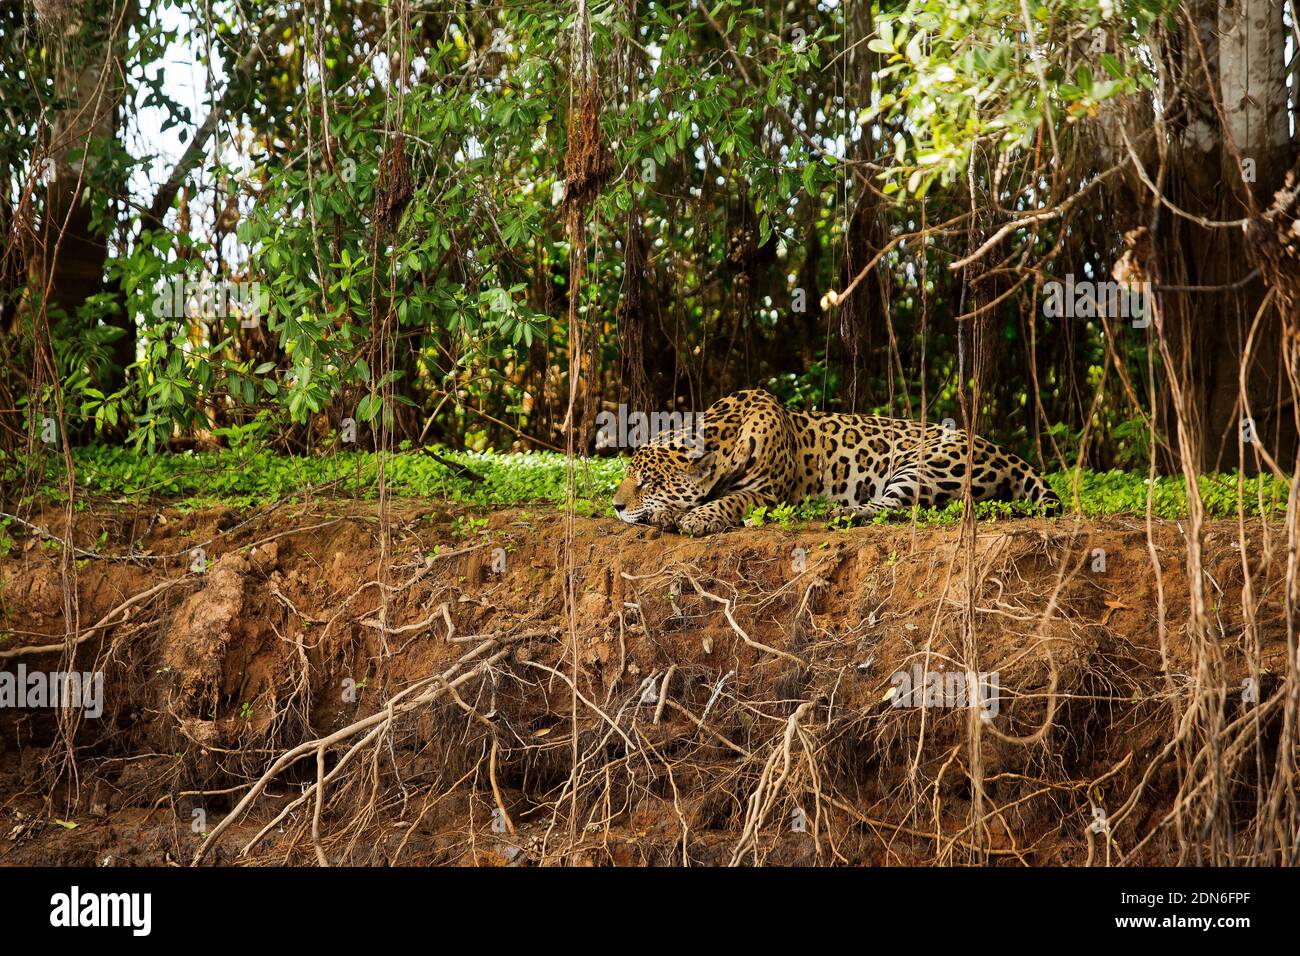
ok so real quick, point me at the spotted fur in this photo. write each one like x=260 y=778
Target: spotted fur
x=754 y=451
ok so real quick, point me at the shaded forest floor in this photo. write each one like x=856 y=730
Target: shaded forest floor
x=735 y=700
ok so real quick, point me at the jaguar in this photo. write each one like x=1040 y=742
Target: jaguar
x=753 y=451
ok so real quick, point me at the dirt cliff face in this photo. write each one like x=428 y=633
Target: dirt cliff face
x=883 y=695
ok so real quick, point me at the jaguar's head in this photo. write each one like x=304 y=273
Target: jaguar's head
x=662 y=482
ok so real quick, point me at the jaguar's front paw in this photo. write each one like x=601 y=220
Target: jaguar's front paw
x=665 y=520
x=694 y=523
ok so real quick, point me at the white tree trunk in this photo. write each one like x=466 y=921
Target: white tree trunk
x=1252 y=90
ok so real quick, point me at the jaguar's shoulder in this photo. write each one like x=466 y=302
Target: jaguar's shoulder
x=755 y=407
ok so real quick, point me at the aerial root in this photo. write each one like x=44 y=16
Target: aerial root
x=415 y=697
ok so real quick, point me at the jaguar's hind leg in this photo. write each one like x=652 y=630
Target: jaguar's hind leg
x=905 y=488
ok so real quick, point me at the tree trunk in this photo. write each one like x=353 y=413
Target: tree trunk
x=73 y=250
x=1223 y=165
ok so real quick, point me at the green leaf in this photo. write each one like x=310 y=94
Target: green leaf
x=368 y=407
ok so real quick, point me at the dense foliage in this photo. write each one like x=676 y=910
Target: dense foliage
x=858 y=205
x=249 y=477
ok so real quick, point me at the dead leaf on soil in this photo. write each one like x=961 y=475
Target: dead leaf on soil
x=1112 y=606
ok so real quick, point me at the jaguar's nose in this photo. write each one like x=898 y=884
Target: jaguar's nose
x=618 y=507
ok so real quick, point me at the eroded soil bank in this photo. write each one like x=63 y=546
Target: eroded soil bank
x=735 y=698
